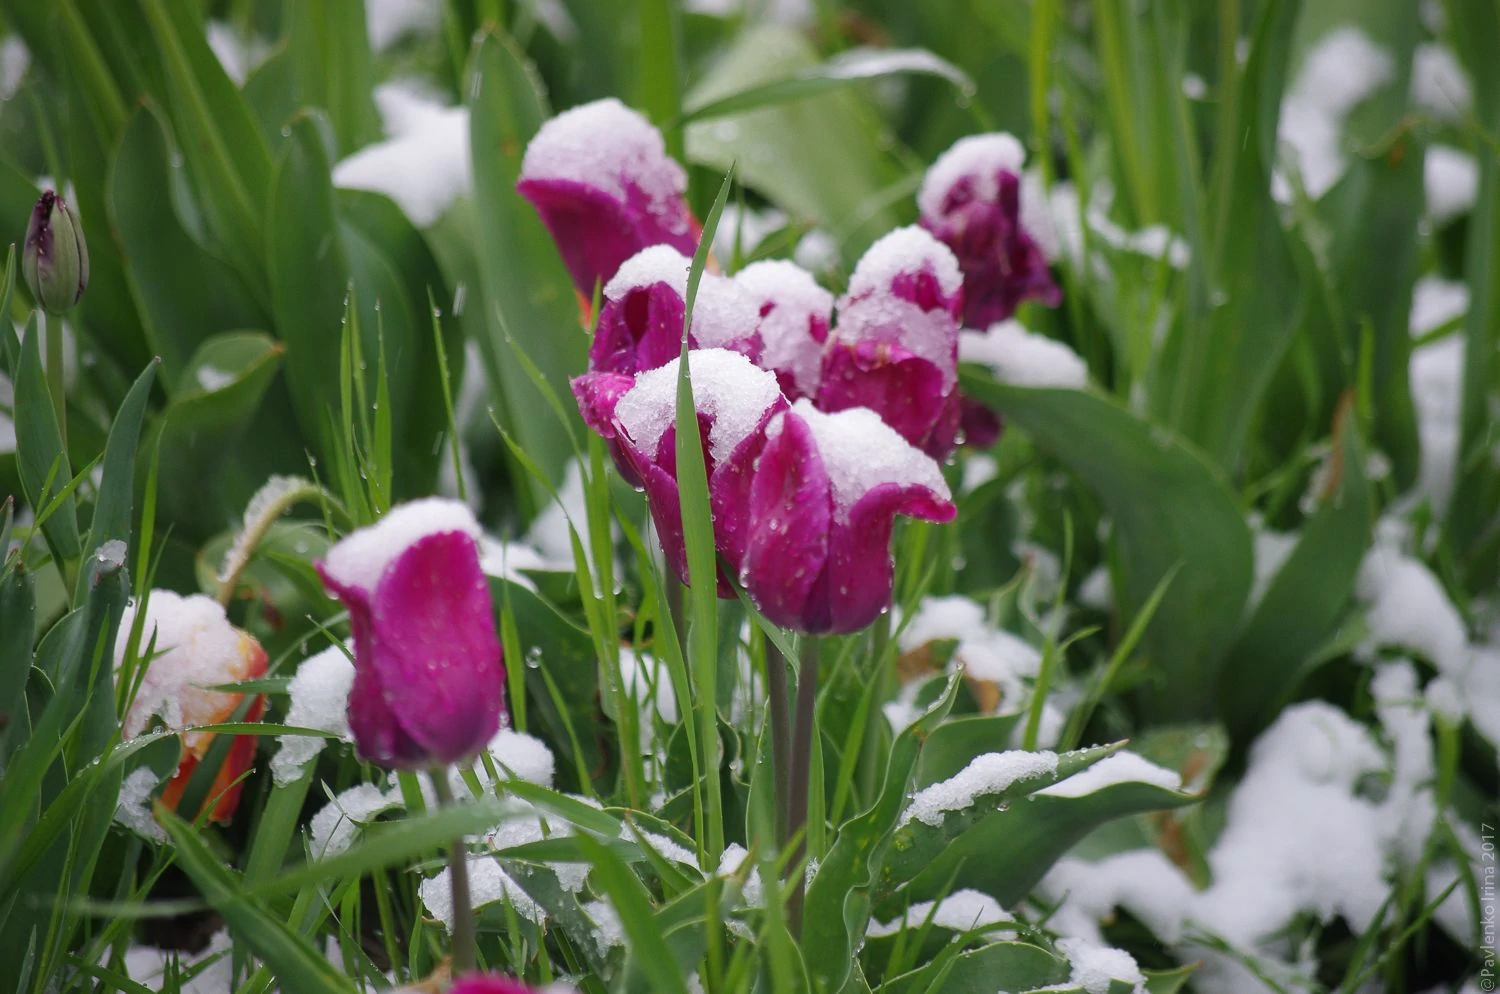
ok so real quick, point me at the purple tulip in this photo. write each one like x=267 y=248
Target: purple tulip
x=429 y=678
x=794 y=317
x=600 y=177
x=734 y=399
x=895 y=347
x=826 y=494
x=494 y=983
x=971 y=200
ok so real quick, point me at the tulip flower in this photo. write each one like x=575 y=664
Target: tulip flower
x=794 y=317
x=600 y=178
x=971 y=200
x=734 y=399
x=194 y=647
x=823 y=503
x=55 y=257
x=494 y=983
x=895 y=347
x=429 y=679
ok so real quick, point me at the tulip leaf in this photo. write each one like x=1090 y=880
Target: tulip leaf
x=820 y=159
x=17 y=629
x=1171 y=509
x=957 y=741
x=184 y=293
x=40 y=458
x=112 y=517
x=288 y=954
x=329 y=50
x=630 y=900
x=534 y=309
x=1307 y=596
x=1006 y=966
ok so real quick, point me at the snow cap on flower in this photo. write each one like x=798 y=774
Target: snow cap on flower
x=826 y=493
x=895 y=347
x=600 y=177
x=734 y=400
x=795 y=314
x=429 y=679
x=193 y=647
x=971 y=200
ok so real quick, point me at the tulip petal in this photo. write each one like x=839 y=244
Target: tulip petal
x=597 y=394
x=906 y=390
x=489 y=983
x=791 y=511
x=859 y=550
x=435 y=655
x=639 y=330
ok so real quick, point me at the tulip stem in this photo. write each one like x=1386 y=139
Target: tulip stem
x=801 y=785
x=52 y=332
x=463 y=907
x=781 y=739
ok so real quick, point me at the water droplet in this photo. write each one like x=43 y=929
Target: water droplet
x=534 y=657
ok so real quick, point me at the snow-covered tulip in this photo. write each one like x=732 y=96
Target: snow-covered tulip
x=193 y=648
x=494 y=983
x=734 y=399
x=971 y=200
x=55 y=257
x=824 y=500
x=429 y=678
x=794 y=317
x=600 y=177
x=895 y=347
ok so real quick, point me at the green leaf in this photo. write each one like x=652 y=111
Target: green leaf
x=1006 y=966
x=329 y=48
x=821 y=159
x=526 y=287
x=957 y=741
x=39 y=449
x=629 y=898
x=1308 y=596
x=1169 y=981
x=1170 y=506
x=17 y=629
x=289 y=954
x=112 y=515
x=184 y=293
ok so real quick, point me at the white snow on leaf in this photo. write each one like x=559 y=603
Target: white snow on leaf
x=988 y=774
x=319 y=696
x=239 y=54
x=1435 y=302
x=333 y=828
x=388 y=21
x=726 y=386
x=133 y=810
x=209 y=970
x=1451 y=178
x=1406 y=607
x=1339 y=73
x=1096 y=967
x=609 y=930
x=984 y=652
x=962 y=911
x=424 y=166
x=266 y=502
x=488 y=883
x=860 y=452
x=1439 y=85
x=664 y=846
x=1272 y=550
x=1122 y=767
x=977 y=159
x=1022 y=358
x=732 y=863
x=1436 y=376
x=15 y=59
x=361 y=558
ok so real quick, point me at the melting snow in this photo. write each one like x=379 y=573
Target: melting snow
x=1022 y=358
x=1122 y=767
x=488 y=883
x=962 y=911
x=726 y=386
x=133 y=809
x=991 y=773
x=1451 y=179
x=333 y=828
x=319 y=696
x=423 y=165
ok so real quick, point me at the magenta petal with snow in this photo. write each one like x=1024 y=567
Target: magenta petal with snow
x=795 y=314
x=489 y=983
x=907 y=391
x=601 y=179
x=429 y=684
x=971 y=200
x=791 y=508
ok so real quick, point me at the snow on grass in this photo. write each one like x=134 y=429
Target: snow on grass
x=210 y=968
x=488 y=883
x=133 y=809
x=989 y=774
x=1122 y=767
x=1439 y=85
x=962 y=911
x=1096 y=967
x=1435 y=302
x=984 y=652
x=609 y=930
x=423 y=165
x=1451 y=179
x=1022 y=358
x=319 y=698
x=333 y=828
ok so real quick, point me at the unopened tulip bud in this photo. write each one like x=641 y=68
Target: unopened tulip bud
x=55 y=259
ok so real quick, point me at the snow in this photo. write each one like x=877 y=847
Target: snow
x=908 y=251
x=727 y=387
x=148 y=966
x=1022 y=358
x=1097 y=967
x=608 y=146
x=744 y=228
x=15 y=59
x=133 y=810
x=238 y=54
x=523 y=756
x=984 y=652
x=361 y=558
x=389 y=20
x=817 y=251
x=333 y=828
x=990 y=773
x=647 y=682
x=550 y=529
x=1339 y=73
x=609 y=930
x=664 y=846
x=731 y=863
x=1439 y=85
x=1272 y=550
x=1436 y=375
x=1142 y=881
x=962 y=911
x=977 y=158
x=723 y=312
x=1435 y=302
x=265 y=503
x=1407 y=607
x=1451 y=179
x=423 y=165
x=1097 y=591
x=860 y=452
x=196 y=647
x=319 y=696
x=795 y=301
x=488 y=883
x=1122 y=767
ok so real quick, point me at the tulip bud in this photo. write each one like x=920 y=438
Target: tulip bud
x=429 y=677
x=194 y=647
x=55 y=258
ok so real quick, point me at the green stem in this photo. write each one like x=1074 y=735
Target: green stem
x=802 y=746
x=463 y=908
x=781 y=738
x=52 y=328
